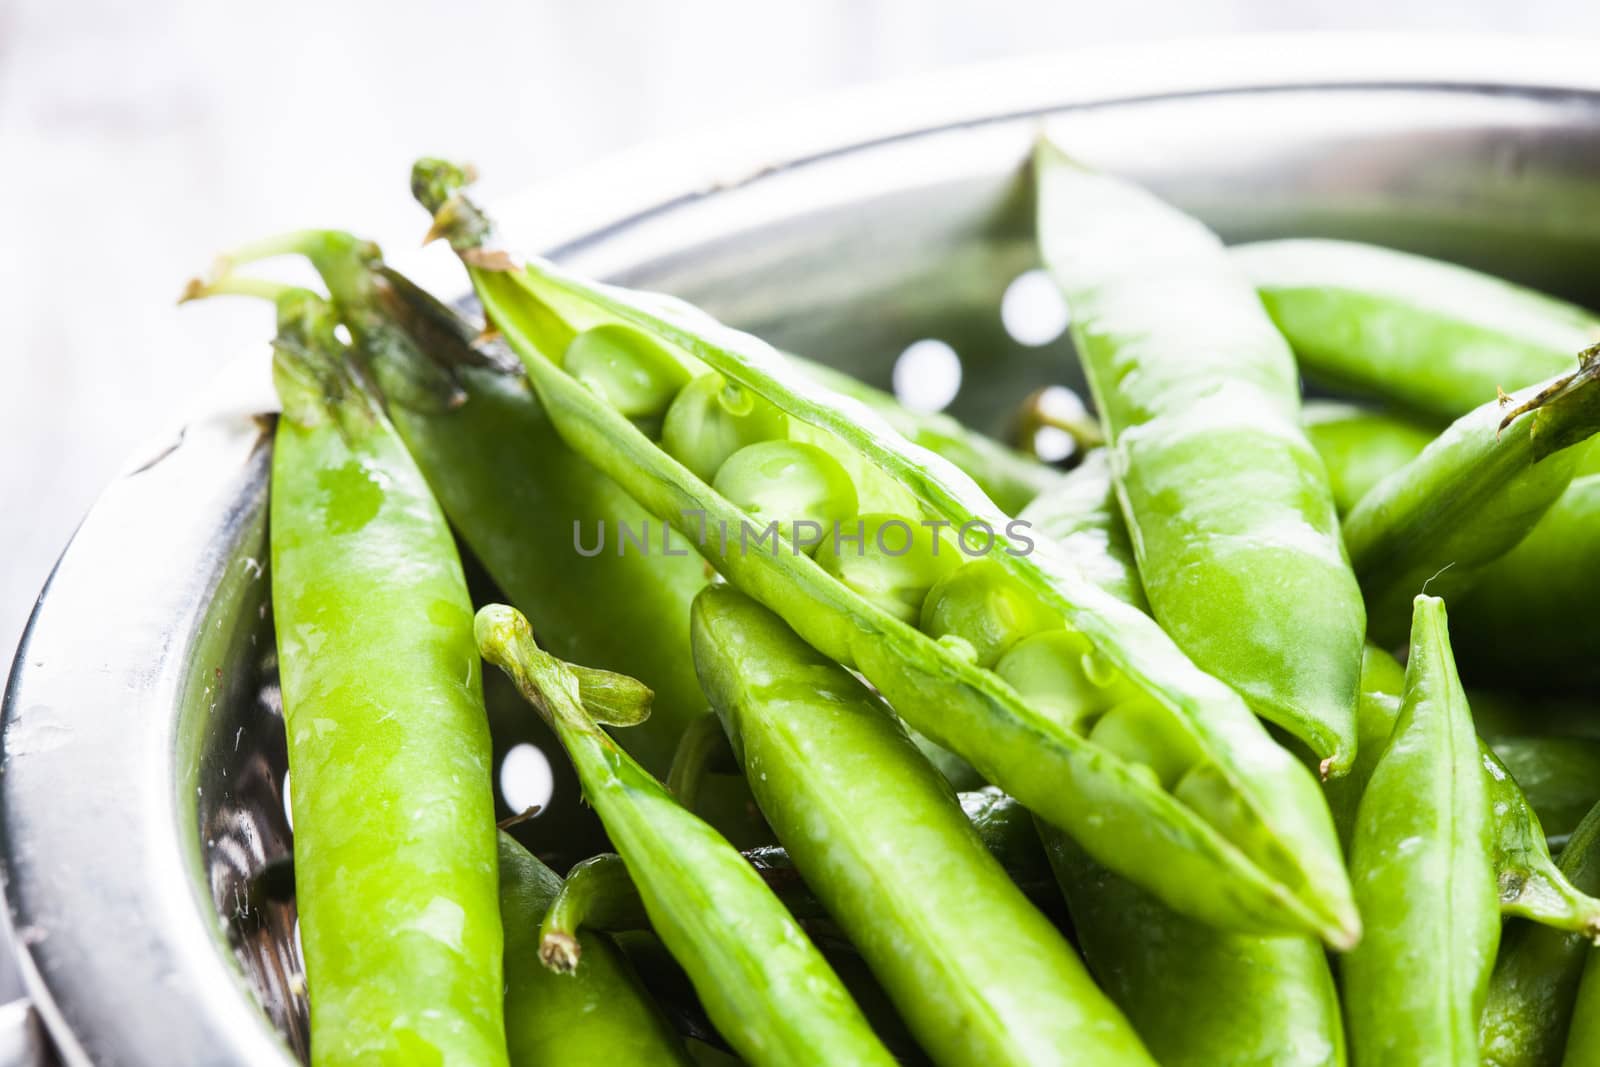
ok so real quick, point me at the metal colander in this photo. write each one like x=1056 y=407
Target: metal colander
x=143 y=821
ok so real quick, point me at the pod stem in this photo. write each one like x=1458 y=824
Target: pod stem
x=439 y=186
x=1566 y=410
x=564 y=693
x=311 y=368
x=1047 y=408
x=598 y=893
x=228 y=283
x=1549 y=899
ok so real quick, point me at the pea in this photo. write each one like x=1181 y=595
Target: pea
x=891 y=561
x=1141 y=731
x=1048 y=670
x=985 y=606
x=788 y=483
x=635 y=373
x=711 y=419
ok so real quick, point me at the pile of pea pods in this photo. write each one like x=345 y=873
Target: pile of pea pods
x=1263 y=732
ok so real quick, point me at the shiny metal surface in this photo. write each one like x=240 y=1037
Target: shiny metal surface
x=143 y=751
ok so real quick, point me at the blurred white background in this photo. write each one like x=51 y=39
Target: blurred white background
x=138 y=139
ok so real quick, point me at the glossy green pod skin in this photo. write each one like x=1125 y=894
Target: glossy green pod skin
x=1583 y=1037
x=1228 y=506
x=1422 y=861
x=1197 y=995
x=394 y=847
x=599 y=1014
x=1530 y=884
x=1434 y=337
x=979 y=975
x=1360 y=447
x=1472 y=494
x=1528 y=620
x=592 y=893
x=1537 y=970
x=1243 y=840
x=764 y=985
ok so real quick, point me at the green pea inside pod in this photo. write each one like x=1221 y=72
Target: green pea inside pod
x=1140 y=731
x=713 y=418
x=1205 y=788
x=1058 y=672
x=797 y=486
x=891 y=561
x=635 y=373
x=982 y=605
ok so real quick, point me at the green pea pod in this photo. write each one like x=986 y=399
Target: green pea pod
x=1422 y=861
x=478 y=434
x=763 y=983
x=1471 y=495
x=394 y=841
x=979 y=975
x=1196 y=994
x=1536 y=973
x=1434 y=337
x=1228 y=506
x=600 y=1014
x=599 y=894
x=1005 y=828
x=1527 y=622
x=1560 y=776
x=1360 y=447
x=1530 y=883
x=1240 y=836
x=1583 y=1037
x=1005 y=475
x=595 y=894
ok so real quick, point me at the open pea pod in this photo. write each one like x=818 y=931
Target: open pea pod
x=1157 y=769
x=1473 y=494
x=1008 y=477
